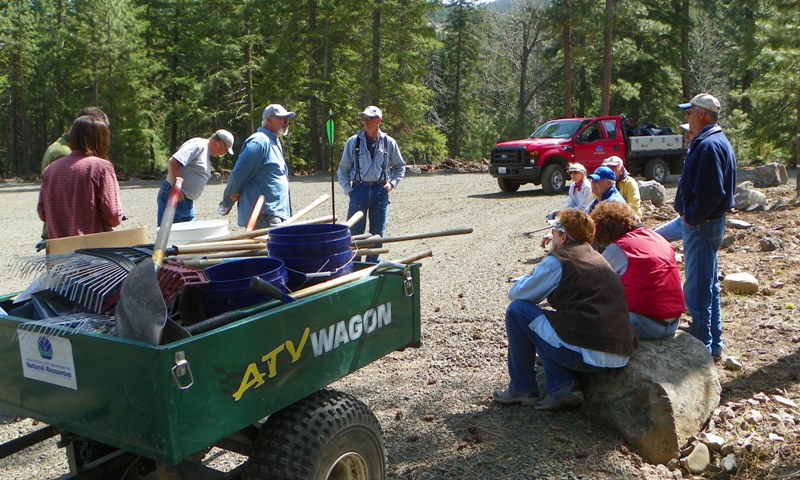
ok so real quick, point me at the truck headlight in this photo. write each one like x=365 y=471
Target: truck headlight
x=533 y=156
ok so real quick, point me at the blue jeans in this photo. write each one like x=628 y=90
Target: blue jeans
x=184 y=211
x=672 y=231
x=649 y=329
x=523 y=344
x=373 y=200
x=701 y=288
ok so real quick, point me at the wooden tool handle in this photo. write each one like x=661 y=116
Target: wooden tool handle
x=417 y=236
x=251 y=224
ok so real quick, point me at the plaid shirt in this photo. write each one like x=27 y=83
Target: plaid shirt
x=79 y=196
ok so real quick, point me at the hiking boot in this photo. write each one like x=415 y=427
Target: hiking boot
x=560 y=399
x=512 y=397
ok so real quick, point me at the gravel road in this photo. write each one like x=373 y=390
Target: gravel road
x=433 y=402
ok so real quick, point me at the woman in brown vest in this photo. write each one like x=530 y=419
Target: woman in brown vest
x=586 y=331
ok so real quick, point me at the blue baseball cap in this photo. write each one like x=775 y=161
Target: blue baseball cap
x=602 y=173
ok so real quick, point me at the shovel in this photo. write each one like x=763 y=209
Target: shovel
x=141 y=312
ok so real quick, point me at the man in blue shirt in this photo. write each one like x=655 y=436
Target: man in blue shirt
x=705 y=194
x=261 y=170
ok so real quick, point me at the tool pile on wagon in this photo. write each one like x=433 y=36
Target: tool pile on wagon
x=159 y=294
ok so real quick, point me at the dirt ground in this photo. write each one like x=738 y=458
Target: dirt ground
x=434 y=403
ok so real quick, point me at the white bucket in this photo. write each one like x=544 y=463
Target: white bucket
x=185 y=232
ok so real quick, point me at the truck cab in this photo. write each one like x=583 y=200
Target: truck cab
x=543 y=157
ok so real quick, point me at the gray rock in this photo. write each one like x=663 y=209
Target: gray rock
x=731 y=364
x=749 y=200
x=656 y=405
x=770 y=175
x=754 y=417
x=413 y=169
x=712 y=441
x=727 y=241
x=748 y=185
x=653 y=191
x=770 y=244
x=738 y=224
x=698 y=460
x=728 y=463
x=740 y=283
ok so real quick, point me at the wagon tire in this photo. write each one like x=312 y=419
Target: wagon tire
x=328 y=435
x=656 y=169
x=507 y=186
x=554 y=179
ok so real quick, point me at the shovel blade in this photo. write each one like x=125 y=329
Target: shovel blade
x=141 y=312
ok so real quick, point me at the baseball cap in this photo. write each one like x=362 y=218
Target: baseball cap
x=602 y=173
x=276 y=110
x=225 y=137
x=612 y=161
x=576 y=167
x=705 y=101
x=372 y=111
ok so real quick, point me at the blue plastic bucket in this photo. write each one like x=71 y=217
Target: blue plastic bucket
x=310 y=249
x=229 y=283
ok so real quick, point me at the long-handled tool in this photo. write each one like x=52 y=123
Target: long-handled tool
x=141 y=312
x=417 y=236
x=251 y=224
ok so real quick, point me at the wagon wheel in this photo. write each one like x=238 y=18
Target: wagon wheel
x=328 y=435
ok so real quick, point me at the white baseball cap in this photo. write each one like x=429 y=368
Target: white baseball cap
x=225 y=137
x=372 y=111
x=276 y=110
x=705 y=101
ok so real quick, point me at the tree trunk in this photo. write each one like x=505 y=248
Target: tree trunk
x=313 y=102
x=685 y=28
x=566 y=36
x=797 y=154
x=608 y=40
x=375 y=89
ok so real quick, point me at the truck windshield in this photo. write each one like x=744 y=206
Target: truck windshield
x=557 y=129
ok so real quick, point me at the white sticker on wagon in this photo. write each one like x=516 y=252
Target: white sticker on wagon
x=48 y=358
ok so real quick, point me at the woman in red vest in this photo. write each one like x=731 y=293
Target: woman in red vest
x=646 y=263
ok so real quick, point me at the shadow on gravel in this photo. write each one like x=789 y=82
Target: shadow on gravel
x=541 y=444
x=784 y=372
x=520 y=194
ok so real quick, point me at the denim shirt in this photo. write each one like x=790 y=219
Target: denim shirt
x=260 y=170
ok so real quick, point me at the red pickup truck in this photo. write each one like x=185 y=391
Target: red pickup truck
x=542 y=158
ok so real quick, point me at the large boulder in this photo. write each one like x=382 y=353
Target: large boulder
x=653 y=191
x=770 y=175
x=664 y=396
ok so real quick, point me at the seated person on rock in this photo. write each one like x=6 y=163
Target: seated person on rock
x=627 y=186
x=646 y=263
x=587 y=329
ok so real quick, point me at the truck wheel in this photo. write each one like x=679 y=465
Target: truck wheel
x=328 y=435
x=554 y=179
x=656 y=169
x=507 y=186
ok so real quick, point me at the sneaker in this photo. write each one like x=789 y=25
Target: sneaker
x=512 y=397
x=557 y=400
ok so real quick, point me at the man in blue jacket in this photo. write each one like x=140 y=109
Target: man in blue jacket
x=705 y=194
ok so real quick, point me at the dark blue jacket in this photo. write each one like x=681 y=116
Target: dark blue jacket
x=707 y=184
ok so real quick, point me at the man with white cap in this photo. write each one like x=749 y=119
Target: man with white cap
x=371 y=167
x=262 y=170
x=705 y=194
x=192 y=162
x=626 y=185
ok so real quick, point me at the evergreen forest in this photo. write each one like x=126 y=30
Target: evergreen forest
x=452 y=77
